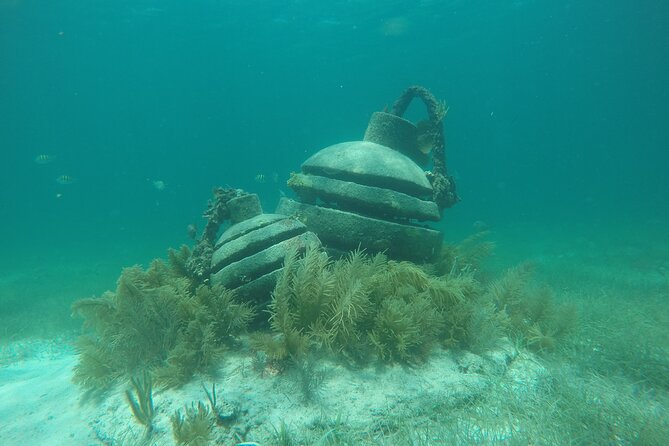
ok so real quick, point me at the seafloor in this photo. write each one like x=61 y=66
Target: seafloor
x=608 y=384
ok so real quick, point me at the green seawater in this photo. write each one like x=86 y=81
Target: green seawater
x=556 y=135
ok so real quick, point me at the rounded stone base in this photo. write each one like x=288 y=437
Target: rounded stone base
x=342 y=231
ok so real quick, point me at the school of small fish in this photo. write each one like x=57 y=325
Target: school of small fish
x=64 y=179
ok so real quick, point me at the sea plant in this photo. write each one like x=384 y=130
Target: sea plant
x=358 y=306
x=153 y=321
x=282 y=435
x=317 y=302
x=465 y=256
x=178 y=261
x=532 y=314
x=405 y=328
x=221 y=417
x=141 y=403
x=309 y=377
x=363 y=306
x=193 y=427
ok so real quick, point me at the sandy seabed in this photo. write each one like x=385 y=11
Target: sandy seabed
x=40 y=405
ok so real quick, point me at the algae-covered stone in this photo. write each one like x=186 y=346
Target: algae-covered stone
x=251 y=242
x=361 y=194
x=265 y=261
x=244 y=207
x=371 y=164
x=252 y=224
x=342 y=231
x=249 y=254
x=370 y=200
x=392 y=131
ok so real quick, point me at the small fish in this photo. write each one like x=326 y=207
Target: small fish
x=191 y=229
x=260 y=178
x=159 y=184
x=481 y=226
x=426 y=137
x=44 y=159
x=65 y=179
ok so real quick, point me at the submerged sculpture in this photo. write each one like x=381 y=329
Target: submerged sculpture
x=372 y=194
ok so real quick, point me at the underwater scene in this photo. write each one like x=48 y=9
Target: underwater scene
x=352 y=222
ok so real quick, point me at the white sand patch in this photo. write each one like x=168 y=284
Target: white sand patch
x=39 y=404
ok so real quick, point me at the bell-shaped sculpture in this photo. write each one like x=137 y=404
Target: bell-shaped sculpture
x=249 y=255
x=361 y=194
x=373 y=194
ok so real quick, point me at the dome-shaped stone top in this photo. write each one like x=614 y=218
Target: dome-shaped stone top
x=370 y=164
